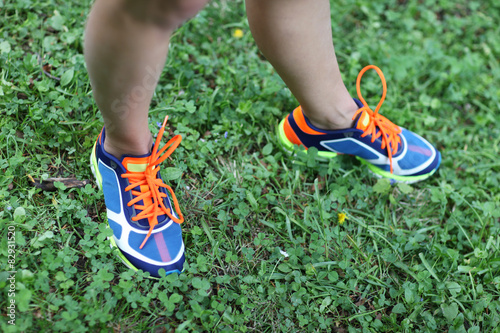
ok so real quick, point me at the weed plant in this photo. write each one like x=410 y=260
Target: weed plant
x=273 y=244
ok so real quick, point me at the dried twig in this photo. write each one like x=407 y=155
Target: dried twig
x=44 y=71
x=48 y=184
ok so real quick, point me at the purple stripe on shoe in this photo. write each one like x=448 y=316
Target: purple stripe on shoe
x=421 y=150
x=162 y=247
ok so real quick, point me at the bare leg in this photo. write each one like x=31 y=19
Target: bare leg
x=296 y=37
x=126 y=45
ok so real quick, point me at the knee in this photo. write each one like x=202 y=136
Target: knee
x=165 y=14
x=188 y=8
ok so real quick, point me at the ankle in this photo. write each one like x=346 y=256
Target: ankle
x=336 y=119
x=121 y=146
x=332 y=124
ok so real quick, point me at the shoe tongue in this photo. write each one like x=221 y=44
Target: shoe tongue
x=135 y=164
x=139 y=164
x=363 y=121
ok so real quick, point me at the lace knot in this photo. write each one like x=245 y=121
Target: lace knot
x=375 y=124
x=149 y=184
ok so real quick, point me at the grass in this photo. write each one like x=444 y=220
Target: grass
x=265 y=249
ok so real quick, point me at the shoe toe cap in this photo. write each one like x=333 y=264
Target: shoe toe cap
x=420 y=156
x=163 y=249
x=153 y=268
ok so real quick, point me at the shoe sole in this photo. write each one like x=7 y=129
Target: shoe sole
x=324 y=156
x=295 y=150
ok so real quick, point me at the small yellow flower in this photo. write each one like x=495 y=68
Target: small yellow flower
x=342 y=217
x=238 y=33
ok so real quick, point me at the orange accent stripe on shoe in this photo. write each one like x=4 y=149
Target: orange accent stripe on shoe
x=290 y=134
x=299 y=118
x=100 y=136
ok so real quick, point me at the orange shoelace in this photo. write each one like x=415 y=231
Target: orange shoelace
x=150 y=185
x=378 y=125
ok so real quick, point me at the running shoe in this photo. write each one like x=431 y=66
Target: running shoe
x=386 y=149
x=146 y=227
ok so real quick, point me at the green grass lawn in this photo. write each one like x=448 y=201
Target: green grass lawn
x=266 y=251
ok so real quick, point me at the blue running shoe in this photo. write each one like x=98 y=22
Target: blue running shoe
x=146 y=229
x=388 y=150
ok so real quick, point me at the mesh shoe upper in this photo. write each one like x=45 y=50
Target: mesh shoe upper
x=145 y=244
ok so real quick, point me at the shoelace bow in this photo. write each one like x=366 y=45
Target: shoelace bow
x=152 y=197
x=378 y=125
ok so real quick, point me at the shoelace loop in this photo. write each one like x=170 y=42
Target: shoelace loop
x=150 y=184
x=378 y=125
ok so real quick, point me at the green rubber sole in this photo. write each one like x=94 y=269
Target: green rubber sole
x=293 y=149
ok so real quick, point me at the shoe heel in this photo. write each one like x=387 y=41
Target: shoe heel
x=94 y=168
